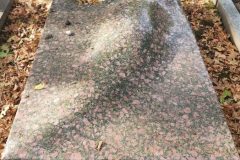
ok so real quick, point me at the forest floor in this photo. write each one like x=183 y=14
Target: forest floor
x=20 y=36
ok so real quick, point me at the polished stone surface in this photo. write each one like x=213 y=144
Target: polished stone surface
x=128 y=84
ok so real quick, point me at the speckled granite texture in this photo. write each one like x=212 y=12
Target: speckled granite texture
x=131 y=77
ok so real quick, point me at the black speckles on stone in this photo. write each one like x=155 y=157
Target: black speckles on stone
x=48 y=36
x=52 y=10
x=68 y=23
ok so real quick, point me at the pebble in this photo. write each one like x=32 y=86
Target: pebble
x=69 y=33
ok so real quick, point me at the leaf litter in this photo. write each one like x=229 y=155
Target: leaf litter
x=19 y=39
x=221 y=58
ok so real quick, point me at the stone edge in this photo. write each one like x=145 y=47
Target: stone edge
x=231 y=19
x=6 y=8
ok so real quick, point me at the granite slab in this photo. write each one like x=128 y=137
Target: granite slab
x=127 y=83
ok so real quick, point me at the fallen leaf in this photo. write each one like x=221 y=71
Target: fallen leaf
x=99 y=145
x=4 y=111
x=39 y=86
x=225 y=95
x=4 y=51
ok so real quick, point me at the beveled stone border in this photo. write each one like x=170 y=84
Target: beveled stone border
x=231 y=19
x=5 y=6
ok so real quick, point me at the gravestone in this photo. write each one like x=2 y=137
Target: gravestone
x=127 y=83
